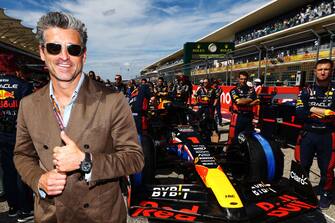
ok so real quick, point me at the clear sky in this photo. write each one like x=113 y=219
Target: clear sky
x=124 y=36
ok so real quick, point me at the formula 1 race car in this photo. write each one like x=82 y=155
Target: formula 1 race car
x=188 y=180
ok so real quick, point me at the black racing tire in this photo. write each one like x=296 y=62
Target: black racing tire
x=258 y=169
x=279 y=158
x=257 y=159
x=253 y=164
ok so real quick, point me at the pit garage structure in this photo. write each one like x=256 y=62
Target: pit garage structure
x=19 y=49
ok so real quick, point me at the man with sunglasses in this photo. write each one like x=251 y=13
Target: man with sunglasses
x=118 y=85
x=75 y=137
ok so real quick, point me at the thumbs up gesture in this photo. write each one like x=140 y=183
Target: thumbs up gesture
x=67 y=158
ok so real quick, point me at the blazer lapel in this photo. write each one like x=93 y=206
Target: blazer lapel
x=48 y=129
x=83 y=110
x=46 y=114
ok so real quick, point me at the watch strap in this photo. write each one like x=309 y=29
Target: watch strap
x=88 y=157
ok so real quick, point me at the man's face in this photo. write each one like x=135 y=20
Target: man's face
x=323 y=72
x=117 y=79
x=160 y=82
x=63 y=66
x=242 y=80
x=90 y=74
x=206 y=83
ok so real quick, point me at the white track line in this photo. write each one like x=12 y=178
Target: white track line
x=333 y=220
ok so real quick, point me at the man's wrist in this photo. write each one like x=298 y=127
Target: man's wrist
x=39 y=184
x=81 y=156
x=41 y=192
x=86 y=164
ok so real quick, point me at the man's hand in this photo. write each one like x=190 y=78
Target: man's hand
x=52 y=182
x=67 y=158
x=321 y=112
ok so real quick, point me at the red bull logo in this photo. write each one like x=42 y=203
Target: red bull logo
x=287 y=205
x=6 y=94
x=152 y=209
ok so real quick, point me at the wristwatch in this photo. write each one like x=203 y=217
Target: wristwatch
x=86 y=164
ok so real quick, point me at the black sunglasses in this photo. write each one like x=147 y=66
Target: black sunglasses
x=56 y=48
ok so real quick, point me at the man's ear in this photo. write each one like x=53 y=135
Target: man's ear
x=42 y=55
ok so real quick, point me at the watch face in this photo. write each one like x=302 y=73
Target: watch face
x=212 y=48
x=86 y=167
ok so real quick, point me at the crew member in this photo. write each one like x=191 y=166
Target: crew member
x=258 y=89
x=316 y=108
x=217 y=101
x=204 y=97
x=131 y=86
x=243 y=99
x=18 y=195
x=181 y=90
x=139 y=103
x=258 y=85
x=160 y=91
x=118 y=85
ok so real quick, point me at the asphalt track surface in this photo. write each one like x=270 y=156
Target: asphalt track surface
x=324 y=216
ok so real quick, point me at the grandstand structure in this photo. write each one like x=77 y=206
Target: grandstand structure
x=274 y=43
x=19 y=49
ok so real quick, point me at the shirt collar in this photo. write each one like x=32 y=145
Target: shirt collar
x=76 y=90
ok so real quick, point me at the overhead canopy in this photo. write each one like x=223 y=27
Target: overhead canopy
x=227 y=33
x=14 y=34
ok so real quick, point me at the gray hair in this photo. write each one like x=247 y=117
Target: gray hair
x=60 y=20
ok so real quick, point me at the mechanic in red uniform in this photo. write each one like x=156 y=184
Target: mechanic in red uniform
x=315 y=107
x=243 y=99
